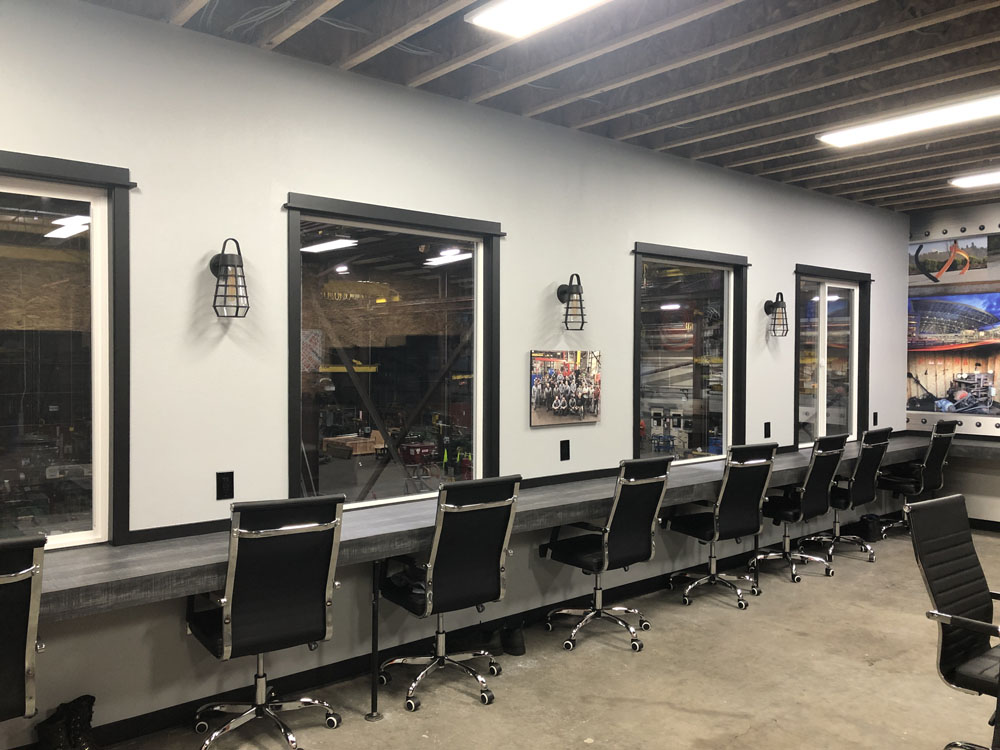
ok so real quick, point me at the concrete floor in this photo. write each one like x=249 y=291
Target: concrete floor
x=829 y=663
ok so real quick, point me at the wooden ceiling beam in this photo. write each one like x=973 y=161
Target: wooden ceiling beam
x=953 y=192
x=393 y=22
x=830 y=126
x=728 y=45
x=958 y=200
x=461 y=60
x=850 y=76
x=292 y=21
x=185 y=11
x=643 y=32
x=846 y=176
x=647 y=100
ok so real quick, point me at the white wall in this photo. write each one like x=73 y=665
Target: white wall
x=216 y=134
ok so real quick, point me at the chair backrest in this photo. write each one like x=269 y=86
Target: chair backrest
x=737 y=509
x=20 y=599
x=936 y=458
x=815 y=490
x=631 y=524
x=467 y=565
x=942 y=543
x=864 y=480
x=280 y=581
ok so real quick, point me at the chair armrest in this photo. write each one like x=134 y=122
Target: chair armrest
x=589 y=527
x=995 y=595
x=207 y=601
x=543 y=549
x=976 y=626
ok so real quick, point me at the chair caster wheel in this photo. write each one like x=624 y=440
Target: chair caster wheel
x=333 y=720
x=884 y=535
x=548 y=627
x=412 y=704
x=569 y=644
x=756 y=591
x=669 y=586
x=201 y=726
x=829 y=572
x=796 y=578
x=742 y=604
x=384 y=678
x=486 y=697
x=685 y=600
x=495 y=669
x=644 y=625
x=636 y=645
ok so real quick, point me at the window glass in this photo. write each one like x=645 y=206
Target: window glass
x=388 y=335
x=46 y=366
x=827 y=331
x=682 y=359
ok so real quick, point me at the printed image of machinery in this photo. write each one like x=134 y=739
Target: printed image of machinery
x=969 y=393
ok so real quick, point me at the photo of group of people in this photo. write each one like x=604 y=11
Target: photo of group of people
x=565 y=388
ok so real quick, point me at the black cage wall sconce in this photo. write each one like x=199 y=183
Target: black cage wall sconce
x=571 y=295
x=778 y=313
x=231 y=300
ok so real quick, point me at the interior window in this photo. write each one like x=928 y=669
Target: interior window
x=683 y=359
x=388 y=341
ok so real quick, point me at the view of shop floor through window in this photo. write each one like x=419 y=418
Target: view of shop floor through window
x=388 y=329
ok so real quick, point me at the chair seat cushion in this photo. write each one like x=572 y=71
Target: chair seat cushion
x=783 y=509
x=406 y=585
x=840 y=498
x=979 y=673
x=699 y=525
x=585 y=552
x=899 y=484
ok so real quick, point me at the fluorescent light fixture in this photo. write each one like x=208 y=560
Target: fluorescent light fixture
x=929 y=119
x=442 y=261
x=829 y=298
x=976 y=180
x=72 y=220
x=670 y=306
x=341 y=269
x=69 y=230
x=322 y=247
x=449 y=251
x=521 y=18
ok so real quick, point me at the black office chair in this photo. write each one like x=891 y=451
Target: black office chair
x=917 y=477
x=466 y=568
x=857 y=490
x=736 y=513
x=625 y=538
x=962 y=600
x=20 y=599
x=279 y=594
x=802 y=503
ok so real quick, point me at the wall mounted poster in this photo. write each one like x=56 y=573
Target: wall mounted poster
x=565 y=388
x=953 y=337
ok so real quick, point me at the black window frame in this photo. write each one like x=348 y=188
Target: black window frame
x=738 y=265
x=350 y=211
x=864 y=282
x=116 y=183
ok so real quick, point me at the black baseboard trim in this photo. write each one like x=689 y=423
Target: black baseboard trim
x=165 y=718
x=982 y=525
x=577 y=476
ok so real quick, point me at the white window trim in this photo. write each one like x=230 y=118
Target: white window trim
x=100 y=327
x=821 y=349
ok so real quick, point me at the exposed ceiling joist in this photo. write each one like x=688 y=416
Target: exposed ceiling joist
x=395 y=22
x=958 y=200
x=635 y=36
x=460 y=61
x=292 y=21
x=728 y=45
x=852 y=75
x=911 y=173
x=185 y=11
x=947 y=194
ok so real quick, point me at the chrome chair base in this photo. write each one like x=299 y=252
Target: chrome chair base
x=439 y=660
x=714 y=577
x=831 y=539
x=786 y=554
x=964 y=746
x=265 y=706
x=597 y=611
